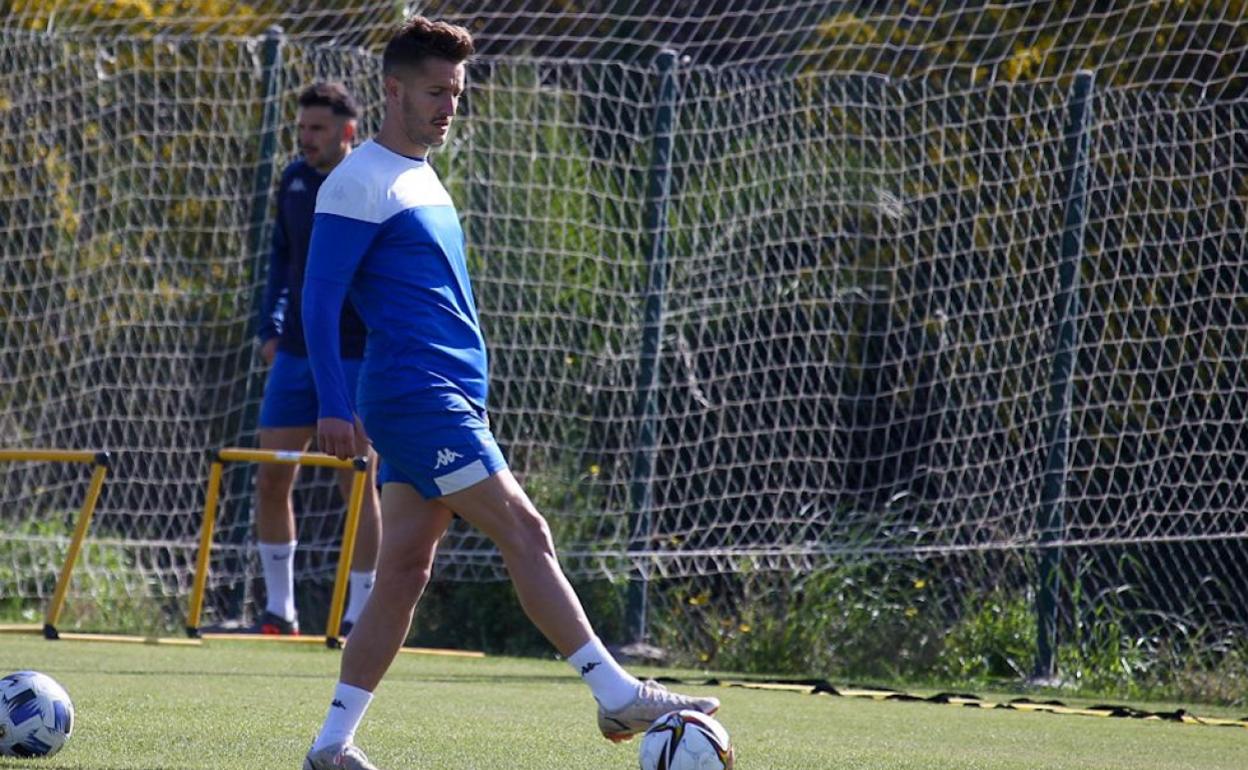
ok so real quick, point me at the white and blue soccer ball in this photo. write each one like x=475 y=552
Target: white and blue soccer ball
x=686 y=740
x=36 y=715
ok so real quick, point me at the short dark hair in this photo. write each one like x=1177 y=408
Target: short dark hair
x=335 y=96
x=420 y=38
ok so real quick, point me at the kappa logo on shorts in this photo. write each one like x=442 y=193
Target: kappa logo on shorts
x=446 y=457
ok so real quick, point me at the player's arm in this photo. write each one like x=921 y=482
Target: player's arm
x=272 y=311
x=337 y=247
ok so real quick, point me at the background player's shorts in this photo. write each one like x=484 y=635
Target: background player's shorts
x=438 y=453
x=290 y=391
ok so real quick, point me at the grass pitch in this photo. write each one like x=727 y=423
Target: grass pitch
x=230 y=705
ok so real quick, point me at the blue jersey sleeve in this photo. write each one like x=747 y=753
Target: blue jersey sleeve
x=337 y=248
x=271 y=314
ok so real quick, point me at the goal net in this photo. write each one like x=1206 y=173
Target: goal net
x=778 y=311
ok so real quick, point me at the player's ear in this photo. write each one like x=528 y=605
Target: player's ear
x=392 y=87
x=348 y=131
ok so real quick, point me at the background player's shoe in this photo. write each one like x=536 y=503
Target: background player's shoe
x=653 y=701
x=271 y=624
x=344 y=629
x=344 y=757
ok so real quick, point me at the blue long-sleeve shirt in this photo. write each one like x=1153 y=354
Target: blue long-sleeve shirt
x=387 y=234
x=280 y=312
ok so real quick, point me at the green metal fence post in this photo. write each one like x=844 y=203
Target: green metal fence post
x=646 y=407
x=1050 y=520
x=271 y=66
x=262 y=181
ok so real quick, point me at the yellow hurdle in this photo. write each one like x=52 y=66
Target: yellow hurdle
x=211 y=498
x=101 y=461
x=352 y=524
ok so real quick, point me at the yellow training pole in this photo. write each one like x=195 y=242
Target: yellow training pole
x=236 y=455
x=205 y=542
x=347 y=552
x=53 y=455
x=75 y=545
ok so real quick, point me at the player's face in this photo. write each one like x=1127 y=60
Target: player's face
x=324 y=137
x=428 y=98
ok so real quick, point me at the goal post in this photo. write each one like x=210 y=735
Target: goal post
x=100 y=462
x=355 y=502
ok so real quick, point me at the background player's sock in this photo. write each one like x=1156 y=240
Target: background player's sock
x=613 y=687
x=361 y=586
x=278 y=562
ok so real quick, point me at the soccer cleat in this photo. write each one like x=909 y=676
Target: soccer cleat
x=342 y=757
x=344 y=629
x=271 y=624
x=653 y=701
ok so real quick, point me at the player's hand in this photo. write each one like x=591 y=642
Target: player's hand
x=340 y=438
x=268 y=350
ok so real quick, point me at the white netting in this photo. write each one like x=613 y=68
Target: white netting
x=864 y=223
x=1193 y=46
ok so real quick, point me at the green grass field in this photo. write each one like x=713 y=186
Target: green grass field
x=230 y=705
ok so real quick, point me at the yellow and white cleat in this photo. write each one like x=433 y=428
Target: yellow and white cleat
x=653 y=701
x=342 y=757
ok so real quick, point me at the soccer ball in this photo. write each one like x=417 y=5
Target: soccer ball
x=686 y=740
x=36 y=715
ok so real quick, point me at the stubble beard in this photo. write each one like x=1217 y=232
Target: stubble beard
x=422 y=133
x=324 y=160
x=426 y=139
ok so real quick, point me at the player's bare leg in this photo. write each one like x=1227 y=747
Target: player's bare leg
x=500 y=508
x=275 y=515
x=275 y=527
x=413 y=527
x=502 y=511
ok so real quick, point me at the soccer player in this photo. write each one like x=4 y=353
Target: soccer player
x=387 y=234
x=326 y=129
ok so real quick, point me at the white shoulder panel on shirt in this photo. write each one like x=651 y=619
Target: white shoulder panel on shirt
x=373 y=184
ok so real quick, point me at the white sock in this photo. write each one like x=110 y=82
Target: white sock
x=278 y=562
x=345 y=712
x=612 y=686
x=361 y=586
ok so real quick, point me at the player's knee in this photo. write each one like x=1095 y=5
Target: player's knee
x=525 y=531
x=273 y=482
x=410 y=569
x=404 y=581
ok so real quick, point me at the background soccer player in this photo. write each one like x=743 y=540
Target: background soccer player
x=326 y=128
x=387 y=232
